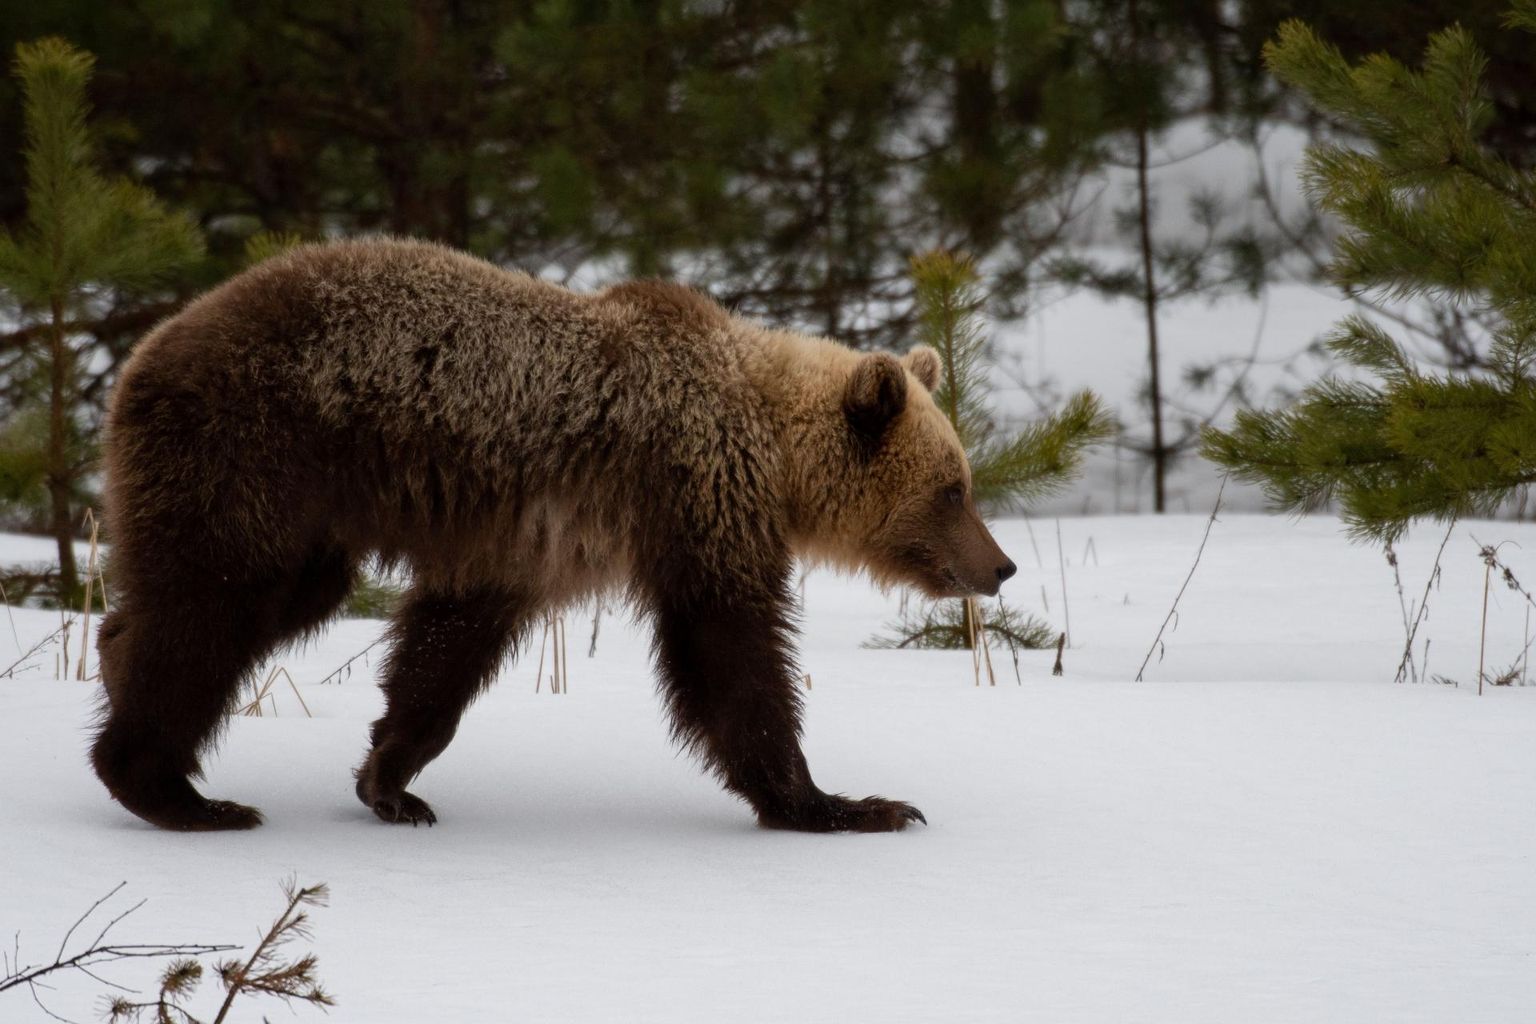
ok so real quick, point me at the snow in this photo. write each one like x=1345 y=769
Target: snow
x=1266 y=829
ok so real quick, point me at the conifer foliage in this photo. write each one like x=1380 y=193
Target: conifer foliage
x=1431 y=213
x=1012 y=469
x=1006 y=470
x=83 y=234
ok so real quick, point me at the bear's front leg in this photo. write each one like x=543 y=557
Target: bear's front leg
x=727 y=670
x=444 y=649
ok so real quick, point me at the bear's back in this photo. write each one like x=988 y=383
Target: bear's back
x=423 y=342
x=431 y=394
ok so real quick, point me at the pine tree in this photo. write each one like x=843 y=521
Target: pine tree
x=82 y=234
x=1006 y=470
x=1156 y=65
x=1432 y=213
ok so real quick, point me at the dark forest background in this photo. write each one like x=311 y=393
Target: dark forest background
x=788 y=156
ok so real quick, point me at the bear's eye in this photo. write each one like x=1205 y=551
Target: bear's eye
x=954 y=494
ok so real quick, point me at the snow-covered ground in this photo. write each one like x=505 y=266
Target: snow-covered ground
x=1266 y=829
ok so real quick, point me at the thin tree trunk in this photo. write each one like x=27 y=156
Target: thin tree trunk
x=1149 y=285
x=968 y=626
x=61 y=521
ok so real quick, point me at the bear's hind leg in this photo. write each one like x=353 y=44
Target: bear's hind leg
x=172 y=668
x=444 y=649
x=170 y=677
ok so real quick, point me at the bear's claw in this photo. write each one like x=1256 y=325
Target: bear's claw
x=829 y=813
x=213 y=816
x=404 y=808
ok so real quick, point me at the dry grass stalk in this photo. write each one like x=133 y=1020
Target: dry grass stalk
x=981 y=652
x=1490 y=556
x=1013 y=648
x=92 y=575
x=974 y=640
x=986 y=647
x=1482 y=638
x=1061 y=563
x=1039 y=562
x=561 y=657
x=1434 y=574
x=553 y=640
x=1525 y=652
x=264 y=692
x=9 y=615
x=61 y=659
x=1157 y=641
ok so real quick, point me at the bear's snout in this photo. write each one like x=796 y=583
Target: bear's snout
x=981 y=566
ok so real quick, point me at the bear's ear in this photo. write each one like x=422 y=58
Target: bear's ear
x=876 y=394
x=923 y=363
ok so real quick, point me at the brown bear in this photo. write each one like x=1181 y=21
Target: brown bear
x=517 y=447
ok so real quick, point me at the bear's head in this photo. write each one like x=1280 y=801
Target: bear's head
x=905 y=511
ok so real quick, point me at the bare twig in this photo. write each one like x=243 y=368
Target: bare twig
x=13 y=666
x=346 y=666
x=597 y=619
x=1402 y=603
x=1434 y=573
x=99 y=951
x=9 y=615
x=1173 y=609
x=61 y=664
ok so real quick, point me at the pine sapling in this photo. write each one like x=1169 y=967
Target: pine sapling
x=82 y=233
x=1007 y=470
x=267 y=972
x=1431 y=214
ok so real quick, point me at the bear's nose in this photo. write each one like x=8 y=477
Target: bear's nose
x=1006 y=571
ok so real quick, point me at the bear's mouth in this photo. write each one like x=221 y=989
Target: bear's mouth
x=920 y=566
x=943 y=583
x=947 y=575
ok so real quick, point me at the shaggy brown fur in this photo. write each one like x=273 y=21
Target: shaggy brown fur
x=517 y=447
